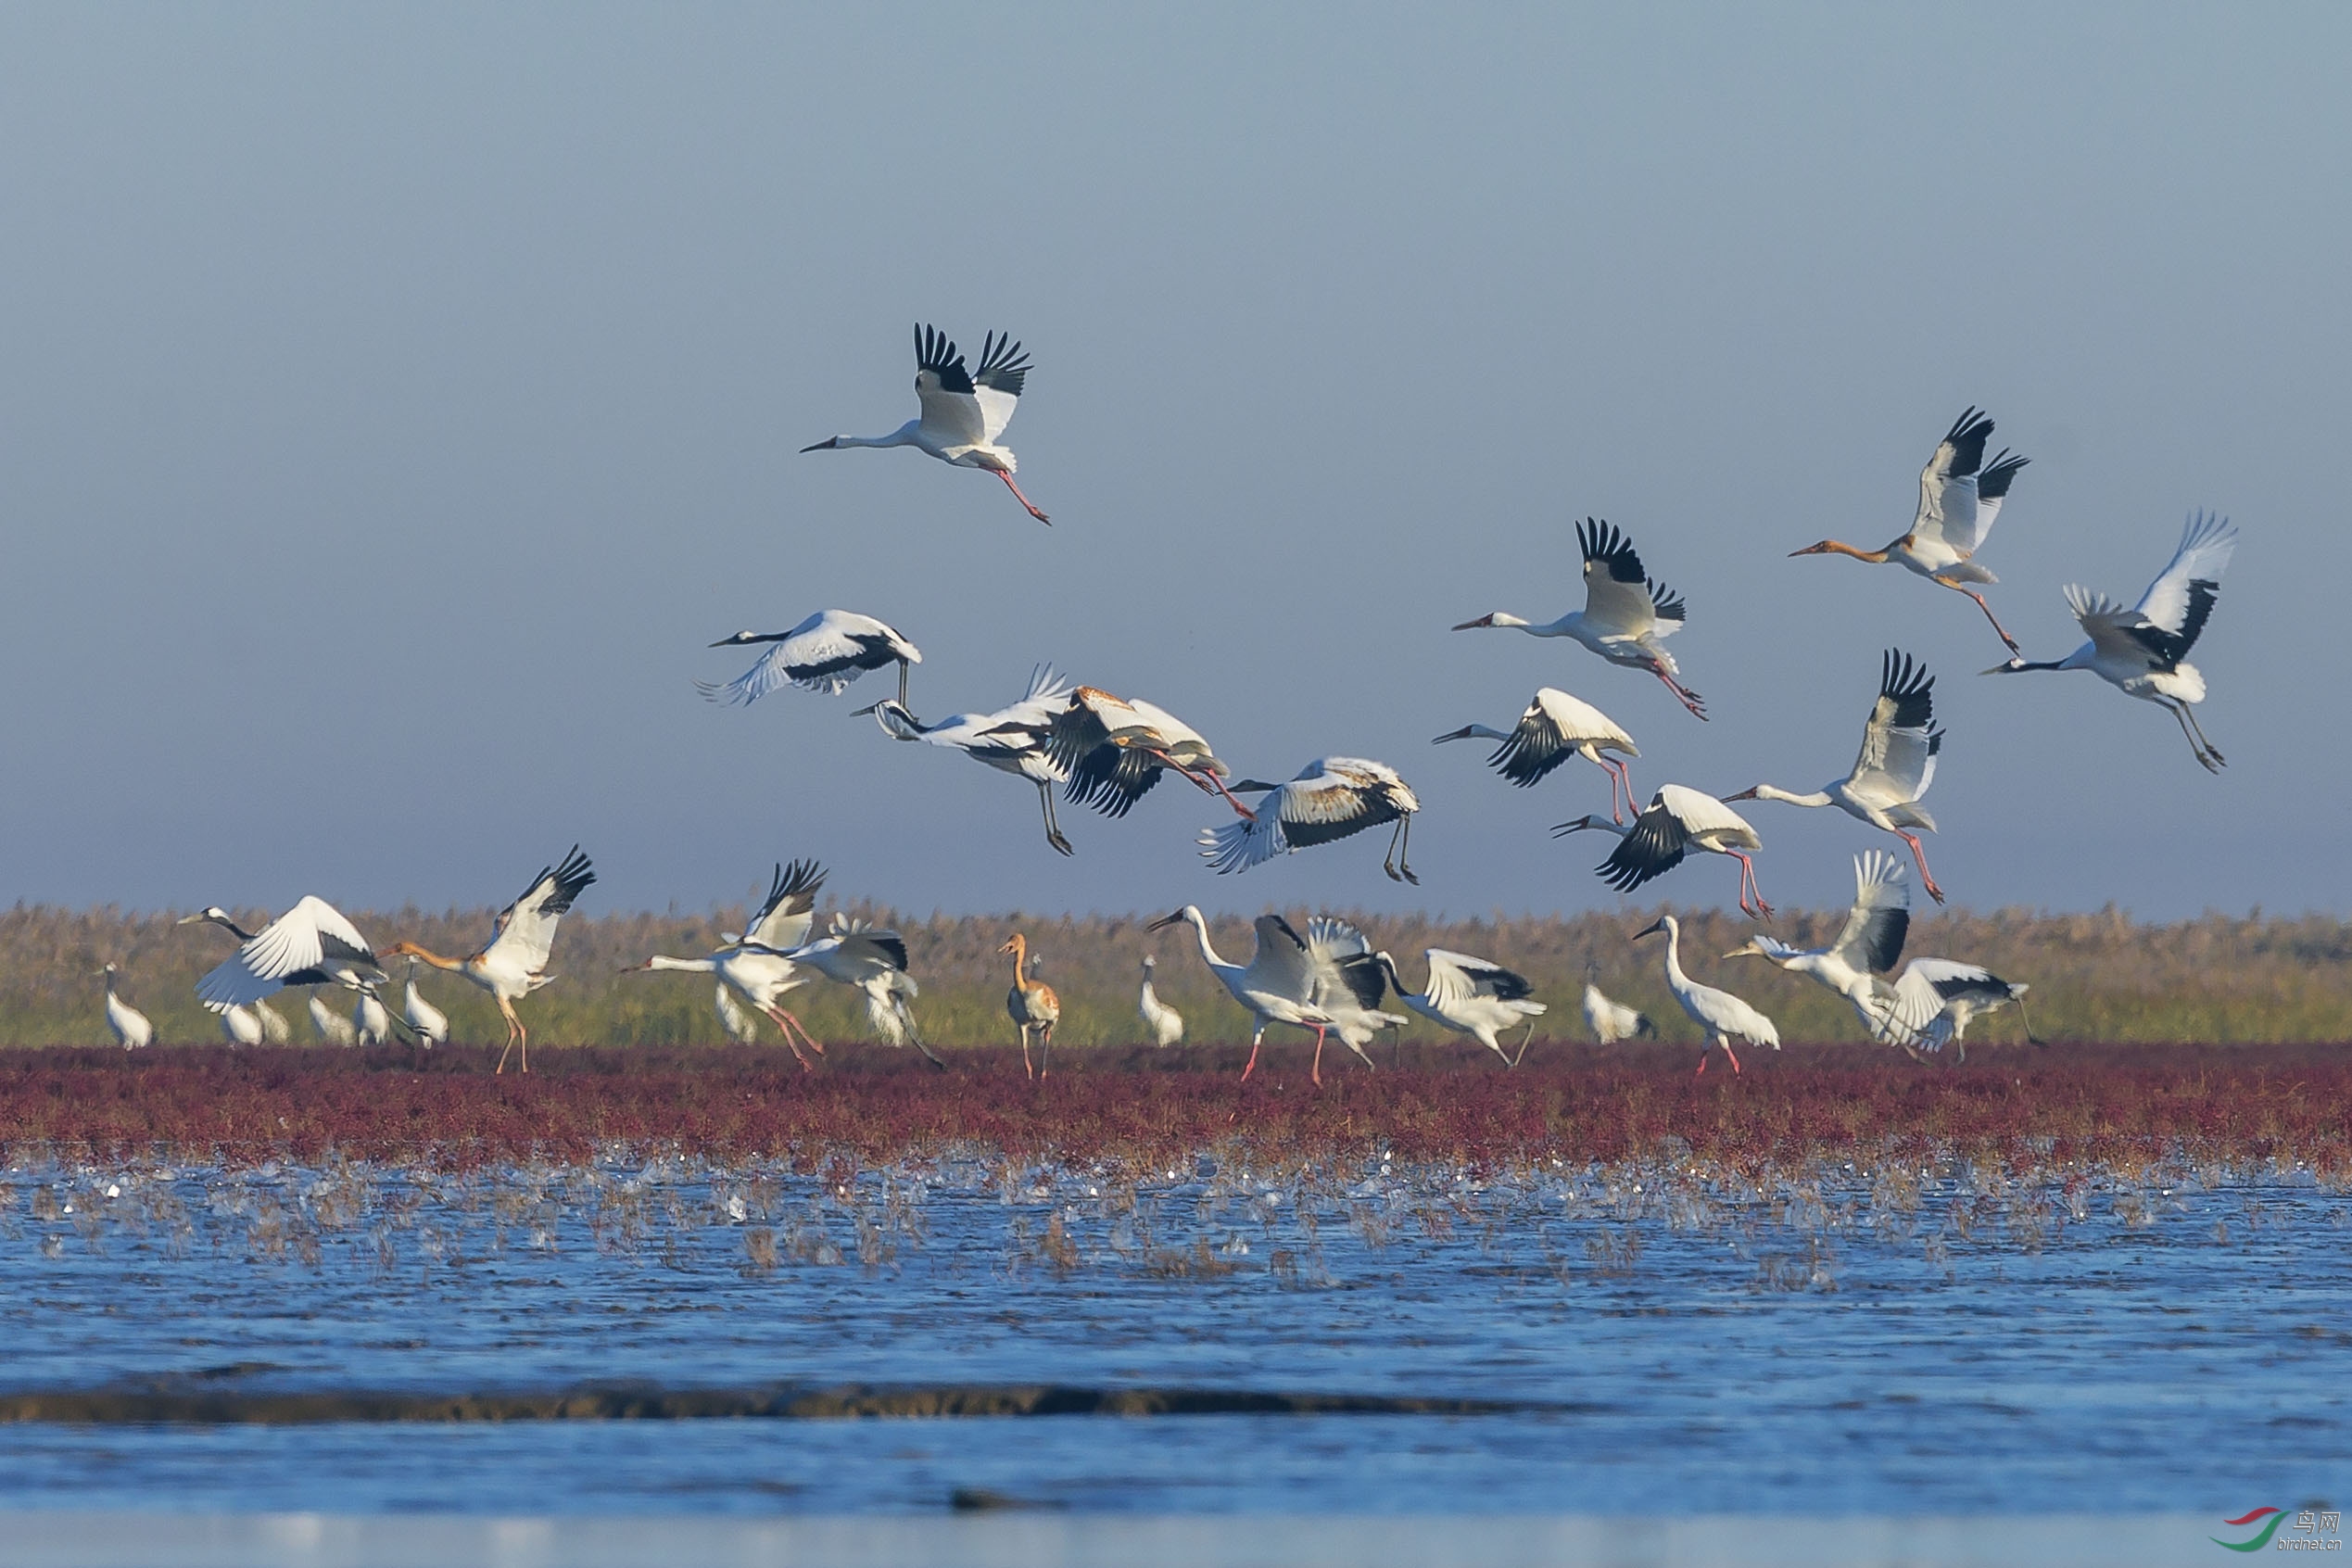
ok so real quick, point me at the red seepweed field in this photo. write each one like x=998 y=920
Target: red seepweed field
x=2118 y=1106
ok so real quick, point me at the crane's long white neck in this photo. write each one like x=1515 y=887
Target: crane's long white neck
x=1200 y=933
x=690 y=966
x=1566 y=625
x=1674 y=955
x=1789 y=797
x=902 y=436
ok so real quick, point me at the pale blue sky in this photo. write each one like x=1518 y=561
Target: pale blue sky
x=393 y=402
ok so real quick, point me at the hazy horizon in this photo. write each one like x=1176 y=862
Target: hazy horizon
x=393 y=405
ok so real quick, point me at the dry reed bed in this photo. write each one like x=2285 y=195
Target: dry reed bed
x=2095 y=977
x=2118 y=1108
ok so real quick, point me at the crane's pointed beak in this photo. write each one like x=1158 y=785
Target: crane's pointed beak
x=1473 y=626
x=1462 y=734
x=1649 y=930
x=825 y=445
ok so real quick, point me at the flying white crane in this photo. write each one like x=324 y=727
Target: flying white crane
x=1032 y=1005
x=431 y=1025
x=1677 y=821
x=512 y=964
x=1868 y=943
x=1273 y=987
x=371 y=1021
x=330 y=1025
x=1471 y=997
x=131 y=1031
x=873 y=963
x=1612 y=1021
x=1166 y=1024
x=1627 y=617
x=823 y=655
x=1011 y=739
x=1959 y=497
x=1113 y=748
x=1722 y=1015
x=1331 y=798
x=1555 y=727
x=311 y=944
x=1348 y=984
x=1891 y=774
x=239 y=1025
x=753 y=964
x=1936 y=999
x=275 y=1031
x=964 y=411
x=2144 y=652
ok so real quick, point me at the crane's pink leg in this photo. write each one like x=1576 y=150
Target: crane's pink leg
x=1251 y=1066
x=1022 y=499
x=1702 y=1062
x=1926 y=877
x=1316 y=1071
x=1683 y=694
x=1207 y=783
x=1747 y=886
x=1733 y=1055
x=1989 y=615
x=1623 y=776
x=1032 y=1071
x=778 y=1017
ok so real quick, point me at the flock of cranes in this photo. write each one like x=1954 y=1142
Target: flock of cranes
x=1105 y=753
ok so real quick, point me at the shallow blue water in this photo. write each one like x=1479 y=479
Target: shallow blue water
x=1831 y=1345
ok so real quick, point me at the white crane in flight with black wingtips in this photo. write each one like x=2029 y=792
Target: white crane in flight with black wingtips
x=1555 y=727
x=823 y=655
x=1891 y=774
x=1869 y=943
x=1012 y=739
x=1627 y=617
x=1959 y=497
x=2144 y=652
x=1677 y=821
x=512 y=964
x=964 y=411
x=1331 y=799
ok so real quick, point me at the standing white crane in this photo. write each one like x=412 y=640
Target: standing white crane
x=964 y=411
x=1113 y=748
x=2144 y=652
x=512 y=964
x=1165 y=1023
x=1627 y=617
x=823 y=655
x=1471 y=997
x=753 y=964
x=330 y=1025
x=131 y=1031
x=1554 y=728
x=1891 y=774
x=1011 y=739
x=431 y=1025
x=1677 y=821
x=371 y=1021
x=1347 y=985
x=1869 y=943
x=1722 y=1015
x=873 y=963
x=1936 y=999
x=311 y=944
x=1959 y=497
x=275 y=1031
x=238 y=1024
x=1612 y=1021
x=1330 y=799
x=1274 y=987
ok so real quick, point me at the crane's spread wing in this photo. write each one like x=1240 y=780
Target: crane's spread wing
x=874 y=950
x=1455 y=977
x=526 y=927
x=1620 y=602
x=823 y=655
x=1873 y=935
x=952 y=413
x=1535 y=747
x=1332 y=937
x=309 y=944
x=997 y=384
x=785 y=919
x=2174 y=609
x=1326 y=805
x=1654 y=845
x=1967 y=536
x=1948 y=485
x=1900 y=741
x=1282 y=965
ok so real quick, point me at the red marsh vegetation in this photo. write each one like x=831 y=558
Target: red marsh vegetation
x=1142 y=1110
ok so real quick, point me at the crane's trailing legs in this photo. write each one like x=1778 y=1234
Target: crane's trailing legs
x=1927 y=879
x=1619 y=774
x=785 y=1024
x=515 y=1035
x=1760 y=909
x=1399 y=848
x=1052 y=828
x=1025 y=501
x=2002 y=630
x=1683 y=694
x=2195 y=732
x=1209 y=783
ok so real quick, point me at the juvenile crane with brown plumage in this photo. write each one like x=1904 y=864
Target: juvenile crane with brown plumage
x=1032 y=1005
